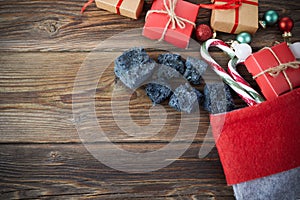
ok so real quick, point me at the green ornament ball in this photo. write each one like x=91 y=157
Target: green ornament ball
x=271 y=17
x=244 y=37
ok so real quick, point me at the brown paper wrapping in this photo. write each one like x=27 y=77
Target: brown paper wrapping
x=224 y=20
x=128 y=8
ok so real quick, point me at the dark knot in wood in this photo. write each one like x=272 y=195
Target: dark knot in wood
x=50 y=26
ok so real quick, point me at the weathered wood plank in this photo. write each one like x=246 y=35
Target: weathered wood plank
x=36 y=100
x=69 y=171
x=59 y=26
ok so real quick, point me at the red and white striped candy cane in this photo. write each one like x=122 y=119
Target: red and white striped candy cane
x=234 y=80
x=241 y=81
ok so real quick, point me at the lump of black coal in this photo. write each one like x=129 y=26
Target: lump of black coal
x=195 y=68
x=186 y=98
x=172 y=60
x=162 y=83
x=157 y=93
x=217 y=98
x=134 y=67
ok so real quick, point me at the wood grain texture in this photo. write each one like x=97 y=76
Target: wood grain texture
x=59 y=26
x=37 y=94
x=43 y=45
x=69 y=171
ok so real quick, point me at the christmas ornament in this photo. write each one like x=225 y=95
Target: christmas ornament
x=295 y=48
x=270 y=18
x=286 y=25
x=242 y=51
x=244 y=37
x=203 y=32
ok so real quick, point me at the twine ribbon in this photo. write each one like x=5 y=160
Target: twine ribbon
x=174 y=20
x=275 y=71
x=229 y=4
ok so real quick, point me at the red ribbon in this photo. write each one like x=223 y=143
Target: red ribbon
x=236 y=20
x=230 y=4
x=118 y=6
x=86 y=5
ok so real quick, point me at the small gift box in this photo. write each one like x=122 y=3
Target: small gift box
x=128 y=8
x=235 y=16
x=275 y=70
x=172 y=21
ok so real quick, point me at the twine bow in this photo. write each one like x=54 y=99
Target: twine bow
x=174 y=19
x=275 y=71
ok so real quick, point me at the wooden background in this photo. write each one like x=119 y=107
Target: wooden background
x=42 y=46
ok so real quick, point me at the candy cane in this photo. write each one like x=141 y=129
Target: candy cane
x=236 y=82
x=241 y=81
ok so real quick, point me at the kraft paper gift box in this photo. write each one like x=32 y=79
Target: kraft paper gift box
x=128 y=8
x=235 y=20
x=281 y=80
x=157 y=22
x=259 y=148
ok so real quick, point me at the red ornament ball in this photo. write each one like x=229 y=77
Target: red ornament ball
x=286 y=24
x=203 y=32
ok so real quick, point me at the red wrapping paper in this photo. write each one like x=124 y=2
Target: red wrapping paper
x=261 y=140
x=156 y=23
x=272 y=87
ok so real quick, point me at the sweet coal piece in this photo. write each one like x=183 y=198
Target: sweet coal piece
x=172 y=60
x=195 y=68
x=134 y=67
x=157 y=93
x=217 y=98
x=162 y=83
x=186 y=99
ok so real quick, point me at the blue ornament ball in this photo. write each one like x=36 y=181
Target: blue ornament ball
x=244 y=37
x=271 y=17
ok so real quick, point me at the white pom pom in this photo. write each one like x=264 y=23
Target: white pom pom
x=242 y=51
x=295 y=48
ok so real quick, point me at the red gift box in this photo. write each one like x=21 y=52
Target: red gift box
x=275 y=69
x=260 y=140
x=159 y=23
